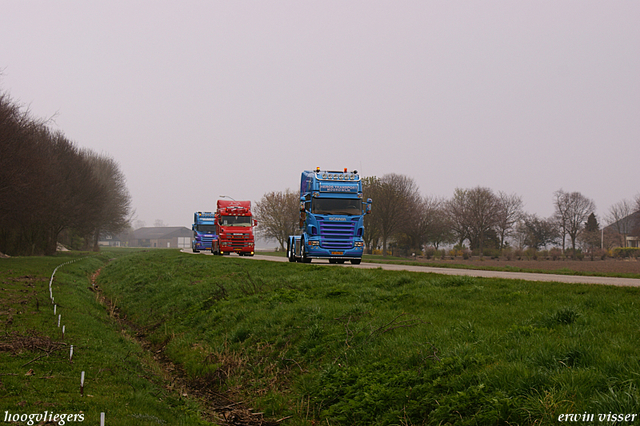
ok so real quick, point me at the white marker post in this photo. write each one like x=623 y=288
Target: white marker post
x=71 y=353
x=101 y=419
x=82 y=384
x=63 y=332
x=54 y=309
x=59 y=320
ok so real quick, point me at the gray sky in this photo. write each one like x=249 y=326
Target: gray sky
x=197 y=99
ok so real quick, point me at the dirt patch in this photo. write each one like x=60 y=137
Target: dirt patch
x=33 y=341
x=608 y=266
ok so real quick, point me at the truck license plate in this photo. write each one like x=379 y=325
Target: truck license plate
x=337 y=252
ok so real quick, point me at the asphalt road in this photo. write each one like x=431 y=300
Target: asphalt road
x=624 y=282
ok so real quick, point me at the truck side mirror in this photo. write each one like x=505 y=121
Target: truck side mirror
x=255 y=222
x=302 y=205
x=368 y=208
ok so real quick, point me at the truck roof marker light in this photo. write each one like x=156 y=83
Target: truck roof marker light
x=345 y=170
x=317 y=169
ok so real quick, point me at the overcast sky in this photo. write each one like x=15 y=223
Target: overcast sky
x=197 y=99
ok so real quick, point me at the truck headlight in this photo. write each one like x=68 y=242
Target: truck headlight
x=314 y=243
x=359 y=244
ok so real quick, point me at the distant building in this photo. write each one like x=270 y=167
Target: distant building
x=110 y=240
x=165 y=236
x=627 y=230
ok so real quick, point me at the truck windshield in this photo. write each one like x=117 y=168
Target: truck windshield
x=235 y=220
x=342 y=206
x=206 y=229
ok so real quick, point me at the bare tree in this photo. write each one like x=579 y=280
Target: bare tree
x=509 y=213
x=457 y=210
x=619 y=218
x=278 y=216
x=429 y=224
x=74 y=197
x=440 y=229
x=536 y=233
x=113 y=216
x=47 y=185
x=396 y=195
x=371 y=237
x=23 y=165
x=572 y=210
x=474 y=215
x=561 y=215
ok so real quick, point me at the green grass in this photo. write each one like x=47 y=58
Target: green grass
x=36 y=373
x=348 y=346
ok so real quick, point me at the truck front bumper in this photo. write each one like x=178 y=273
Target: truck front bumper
x=234 y=247
x=315 y=252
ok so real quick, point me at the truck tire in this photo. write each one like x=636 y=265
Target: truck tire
x=305 y=259
x=356 y=261
x=290 y=255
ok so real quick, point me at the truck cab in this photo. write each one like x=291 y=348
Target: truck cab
x=331 y=218
x=204 y=231
x=234 y=227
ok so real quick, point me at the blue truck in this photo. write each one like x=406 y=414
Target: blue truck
x=332 y=213
x=204 y=231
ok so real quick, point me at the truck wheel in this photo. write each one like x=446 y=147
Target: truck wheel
x=305 y=259
x=290 y=255
x=356 y=261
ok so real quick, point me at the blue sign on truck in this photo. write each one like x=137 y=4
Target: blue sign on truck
x=332 y=213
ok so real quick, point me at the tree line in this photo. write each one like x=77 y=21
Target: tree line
x=50 y=189
x=477 y=219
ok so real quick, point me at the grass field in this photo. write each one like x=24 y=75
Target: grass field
x=316 y=344
x=38 y=372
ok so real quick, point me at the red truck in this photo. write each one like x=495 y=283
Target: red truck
x=234 y=226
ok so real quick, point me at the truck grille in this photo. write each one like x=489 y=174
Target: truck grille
x=336 y=235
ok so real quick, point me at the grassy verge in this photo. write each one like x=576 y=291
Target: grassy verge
x=345 y=346
x=477 y=265
x=37 y=374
